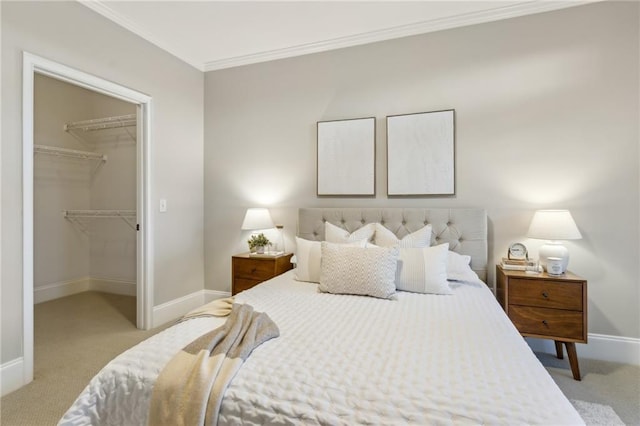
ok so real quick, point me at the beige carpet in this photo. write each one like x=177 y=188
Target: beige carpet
x=77 y=335
x=74 y=337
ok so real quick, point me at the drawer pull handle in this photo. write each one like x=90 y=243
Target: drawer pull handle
x=545 y=322
x=545 y=294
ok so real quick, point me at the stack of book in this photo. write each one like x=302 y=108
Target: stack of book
x=514 y=264
x=269 y=254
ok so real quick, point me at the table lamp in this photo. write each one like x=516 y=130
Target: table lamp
x=260 y=219
x=553 y=226
x=257 y=218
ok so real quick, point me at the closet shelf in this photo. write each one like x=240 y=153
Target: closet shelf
x=64 y=152
x=99 y=213
x=102 y=123
x=128 y=216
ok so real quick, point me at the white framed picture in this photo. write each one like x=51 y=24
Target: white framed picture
x=346 y=157
x=421 y=153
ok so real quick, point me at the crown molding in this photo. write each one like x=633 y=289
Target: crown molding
x=496 y=14
x=472 y=18
x=500 y=13
x=100 y=7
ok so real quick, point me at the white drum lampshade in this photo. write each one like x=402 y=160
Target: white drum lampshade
x=553 y=226
x=257 y=218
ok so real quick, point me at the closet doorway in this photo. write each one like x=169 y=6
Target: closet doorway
x=86 y=152
x=84 y=192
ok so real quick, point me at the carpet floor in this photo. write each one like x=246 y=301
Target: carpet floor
x=76 y=336
x=606 y=383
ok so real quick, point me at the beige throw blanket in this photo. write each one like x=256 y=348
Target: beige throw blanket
x=217 y=308
x=190 y=388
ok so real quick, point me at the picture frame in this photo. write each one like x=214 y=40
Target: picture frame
x=421 y=154
x=346 y=157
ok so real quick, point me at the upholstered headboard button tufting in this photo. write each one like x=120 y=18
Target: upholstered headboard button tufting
x=448 y=226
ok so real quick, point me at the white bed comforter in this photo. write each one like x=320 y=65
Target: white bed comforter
x=343 y=360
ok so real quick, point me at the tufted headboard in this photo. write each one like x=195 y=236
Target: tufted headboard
x=464 y=229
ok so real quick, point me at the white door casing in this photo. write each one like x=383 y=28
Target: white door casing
x=35 y=64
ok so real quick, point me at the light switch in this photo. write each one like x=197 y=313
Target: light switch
x=163 y=205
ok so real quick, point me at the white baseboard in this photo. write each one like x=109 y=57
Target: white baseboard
x=60 y=289
x=625 y=350
x=161 y=314
x=211 y=295
x=175 y=308
x=106 y=285
x=67 y=288
x=11 y=376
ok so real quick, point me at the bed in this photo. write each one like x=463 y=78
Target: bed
x=343 y=359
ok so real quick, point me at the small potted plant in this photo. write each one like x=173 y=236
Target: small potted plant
x=257 y=243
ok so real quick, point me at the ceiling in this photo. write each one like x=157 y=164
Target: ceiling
x=212 y=35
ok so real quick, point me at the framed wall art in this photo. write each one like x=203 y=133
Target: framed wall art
x=346 y=157
x=420 y=154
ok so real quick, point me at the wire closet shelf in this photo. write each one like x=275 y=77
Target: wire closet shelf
x=77 y=216
x=128 y=120
x=72 y=153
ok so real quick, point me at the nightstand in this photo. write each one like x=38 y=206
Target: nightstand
x=546 y=307
x=248 y=271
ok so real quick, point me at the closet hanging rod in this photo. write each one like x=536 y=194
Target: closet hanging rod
x=75 y=216
x=64 y=152
x=102 y=123
x=99 y=213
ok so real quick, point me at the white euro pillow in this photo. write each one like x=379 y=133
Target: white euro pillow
x=459 y=268
x=309 y=257
x=335 y=234
x=423 y=270
x=418 y=239
x=358 y=270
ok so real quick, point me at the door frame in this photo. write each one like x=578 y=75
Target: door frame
x=33 y=64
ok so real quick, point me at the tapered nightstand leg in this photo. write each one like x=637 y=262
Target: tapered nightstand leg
x=573 y=360
x=559 y=352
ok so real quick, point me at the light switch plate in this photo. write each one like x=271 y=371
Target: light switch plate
x=163 y=205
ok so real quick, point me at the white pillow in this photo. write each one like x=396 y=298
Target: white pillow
x=357 y=270
x=335 y=234
x=459 y=269
x=423 y=270
x=308 y=258
x=419 y=239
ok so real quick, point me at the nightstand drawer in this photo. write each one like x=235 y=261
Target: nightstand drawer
x=545 y=294
x=546 y=307
x=241 y=284
x=551 y=323
x=253 y=269
x=248 y=271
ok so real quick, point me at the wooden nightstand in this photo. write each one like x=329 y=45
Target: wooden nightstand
x=546 y=307
x=248 y=271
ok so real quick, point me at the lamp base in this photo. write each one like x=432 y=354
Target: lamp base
x=553 y=249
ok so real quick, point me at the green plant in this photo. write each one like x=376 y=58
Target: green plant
x=258 y=241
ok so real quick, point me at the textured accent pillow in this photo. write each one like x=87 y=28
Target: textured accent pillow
x=423 y=270
x=459 y=269
x=335 y=234
x=309 y=256
x=418 y=239
x=356 y=270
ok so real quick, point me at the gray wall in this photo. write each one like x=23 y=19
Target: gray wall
x=70 y=33
x=546 y=117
